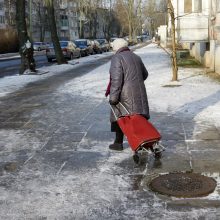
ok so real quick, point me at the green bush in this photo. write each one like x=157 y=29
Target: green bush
x=8 y=41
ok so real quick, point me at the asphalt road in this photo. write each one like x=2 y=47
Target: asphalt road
x=11 y=67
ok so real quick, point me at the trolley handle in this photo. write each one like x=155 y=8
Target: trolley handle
x=113 y=111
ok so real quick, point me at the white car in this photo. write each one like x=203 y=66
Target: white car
x=39 y=46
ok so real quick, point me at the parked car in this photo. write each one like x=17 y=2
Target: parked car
x=39 y=46
x=69 y=50
x=104 y=44
x=85 y=46
x=96 y=46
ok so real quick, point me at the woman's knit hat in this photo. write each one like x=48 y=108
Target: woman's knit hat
x=119 y=43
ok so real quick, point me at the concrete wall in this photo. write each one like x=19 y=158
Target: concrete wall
x=162 y=32
x=212 y=55
x=195 y=30
x=217 y=59
x=200 y=49
x=206 y=59
x=2 y=14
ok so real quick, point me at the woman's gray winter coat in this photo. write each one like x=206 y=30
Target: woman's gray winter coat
x=127 y=73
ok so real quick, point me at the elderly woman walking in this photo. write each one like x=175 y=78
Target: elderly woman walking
x=127 y=75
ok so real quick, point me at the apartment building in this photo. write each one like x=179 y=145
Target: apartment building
x=192 y=26
x=2 y=15
x=214 y=35
x=197 y=29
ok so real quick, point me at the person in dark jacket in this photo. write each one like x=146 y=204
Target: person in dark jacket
x=127 y=76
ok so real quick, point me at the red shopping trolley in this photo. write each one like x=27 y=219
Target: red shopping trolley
x=141 y=134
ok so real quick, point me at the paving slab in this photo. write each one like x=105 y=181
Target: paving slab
x=55 y=162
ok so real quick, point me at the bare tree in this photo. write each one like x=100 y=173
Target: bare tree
x=173 y=32
x=83 y=6
x=26 y=50
x=121 y=14
x=129 y=14
x=40 y=18
x=137 y=21
x=90 y=12
x=53 y=29
x=110 y=20
x=10 y=12
x=149 y=12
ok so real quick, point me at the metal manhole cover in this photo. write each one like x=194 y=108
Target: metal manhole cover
x=187 y=185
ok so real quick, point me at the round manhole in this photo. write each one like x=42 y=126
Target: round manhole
x=185 y=185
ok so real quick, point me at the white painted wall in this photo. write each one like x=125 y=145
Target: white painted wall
x=194 y=26
x=217 y=59
x=162 y=32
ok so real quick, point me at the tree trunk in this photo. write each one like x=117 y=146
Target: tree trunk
x=27 y=59
x=130 y=17
x=81 y=25
x=41 y=21
x=95 y=24
x=53 y=29
x=173 y=33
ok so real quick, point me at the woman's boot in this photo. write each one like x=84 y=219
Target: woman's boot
x=118 y=143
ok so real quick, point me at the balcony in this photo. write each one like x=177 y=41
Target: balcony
x=63 y=6
x=193 y=28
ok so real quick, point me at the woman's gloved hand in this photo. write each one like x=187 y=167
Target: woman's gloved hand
x=111 y=102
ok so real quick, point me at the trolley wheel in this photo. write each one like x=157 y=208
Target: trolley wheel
x=157 y=154
x=136 y=158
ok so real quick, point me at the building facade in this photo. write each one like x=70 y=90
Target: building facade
x=67 y=20
x=214 y=35
x=198 y=30
x=192 y=27
x=2 y=15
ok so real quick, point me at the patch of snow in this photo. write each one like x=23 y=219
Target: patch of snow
x=91 y=85
x=197 y=97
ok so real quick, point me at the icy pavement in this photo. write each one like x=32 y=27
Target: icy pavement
x=55 y=162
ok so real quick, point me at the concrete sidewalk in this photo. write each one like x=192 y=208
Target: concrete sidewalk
x=55 y=162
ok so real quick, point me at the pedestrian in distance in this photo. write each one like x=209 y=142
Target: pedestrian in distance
x=126 y=85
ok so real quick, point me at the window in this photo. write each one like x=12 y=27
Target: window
x=74 y=14
x=187 y=6
x=64 y=20
x=218 y=5
x=2 y=19
x=1 y=6
x=198 y=6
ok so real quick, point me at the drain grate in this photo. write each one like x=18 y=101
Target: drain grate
x=186 y=185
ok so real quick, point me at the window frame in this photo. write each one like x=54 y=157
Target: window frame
x=218 y=6
x=197 y=3
x=187 y=8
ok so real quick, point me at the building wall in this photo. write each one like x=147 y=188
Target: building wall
x=192 y=28
x=214 y=35
x=2 y=15
x=191 y=17
x=68 y=20
x=162 y=32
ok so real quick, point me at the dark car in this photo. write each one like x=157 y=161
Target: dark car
x=85 y=46
x=96 y=46
x=69 y=50
x=105 y=46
